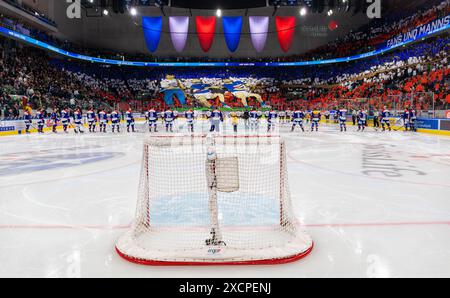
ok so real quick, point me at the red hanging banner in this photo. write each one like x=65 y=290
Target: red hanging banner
x=285 y=30
x=206 y=27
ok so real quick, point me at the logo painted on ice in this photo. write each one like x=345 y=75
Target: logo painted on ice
x=214 y=251
x=74 y=9
x=374 y=9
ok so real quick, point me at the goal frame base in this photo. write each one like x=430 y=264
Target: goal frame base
x=278 y=261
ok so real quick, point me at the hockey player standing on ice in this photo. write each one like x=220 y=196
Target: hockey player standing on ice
x=130 y=120
x=78 y=118
x=55 y=118
x=189 y=115
x=28 y=120
x=315 y=119
x=385 y=115
x=327 y=116
x=271 y=120
x=234 y=121
x=405 y=117
x=169 y=118
x=343 y=119
x=412 y=120
x=103 y=119
x=40 y=120
x=254 y=120
x=297 y=119
x=115 y=121
x=92 y=119
x=65 y=119
x=362 y=120
x=216 y=118
x=152 y=118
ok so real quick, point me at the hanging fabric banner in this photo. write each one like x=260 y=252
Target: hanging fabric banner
x=232 y=27
x=259 y=26
x=152 y=27
x=285 y=30
x=206 y=27
x=179 y=27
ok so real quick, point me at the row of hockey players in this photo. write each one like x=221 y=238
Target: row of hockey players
x=63 y=118
x=251 y=119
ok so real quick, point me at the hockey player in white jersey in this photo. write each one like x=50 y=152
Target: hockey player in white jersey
x=254 y=119
x=65 y=119
x=103 y=119
x=78 y=120
x=152 y=118
x=190 y=116
x=271 y=120
x=169 y=118
x=92 y=119
x=115 y=121
x=343 y=119
x=385 y=115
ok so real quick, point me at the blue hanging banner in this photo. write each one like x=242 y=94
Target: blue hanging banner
x=232 y=27
x=152 y=27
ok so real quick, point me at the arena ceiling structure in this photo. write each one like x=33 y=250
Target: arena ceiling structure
x=117 y=26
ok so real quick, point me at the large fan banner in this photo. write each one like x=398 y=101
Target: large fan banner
x=179 y=27
x=259 y=26
x=285 y=30
x=206 y=27
x=232 y=27
x=152 y=31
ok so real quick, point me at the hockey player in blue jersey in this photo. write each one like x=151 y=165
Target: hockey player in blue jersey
x=65 y=119
x=40 y=120
x=216 y=117
x=297 y=119
x=342 y=114
x=103 y=119
x=271 y=120
x=169 y=118
x=55 y=119
x=152 y=118
x=27 y=117
x=115 y=121
x=254 y=119
x=385 y=115
x=78 y=120
x=130 y=120
x=189 y=115
x=405 y=118
x=92 y=119
x=362 y=120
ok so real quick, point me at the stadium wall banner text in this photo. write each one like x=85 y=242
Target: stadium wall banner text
x=419 y=31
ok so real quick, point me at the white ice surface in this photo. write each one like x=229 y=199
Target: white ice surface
x=65 y=199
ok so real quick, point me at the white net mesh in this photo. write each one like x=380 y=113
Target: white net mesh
x=214 y=200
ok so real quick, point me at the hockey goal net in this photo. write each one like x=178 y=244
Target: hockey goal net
x=214 y=200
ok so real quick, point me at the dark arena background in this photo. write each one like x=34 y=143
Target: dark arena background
x=310 y=137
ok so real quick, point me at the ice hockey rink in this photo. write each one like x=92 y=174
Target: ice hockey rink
x=376 y=204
